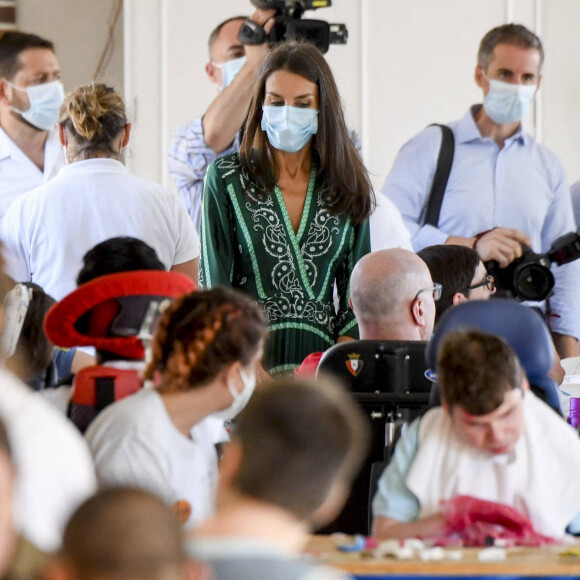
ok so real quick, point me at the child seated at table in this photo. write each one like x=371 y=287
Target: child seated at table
x=491 y=439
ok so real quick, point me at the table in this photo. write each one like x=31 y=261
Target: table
x=544 y=562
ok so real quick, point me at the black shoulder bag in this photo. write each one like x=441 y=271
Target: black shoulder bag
x=444 y=162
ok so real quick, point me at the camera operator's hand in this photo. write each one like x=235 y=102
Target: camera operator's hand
x=256 y=54
x=501 y=244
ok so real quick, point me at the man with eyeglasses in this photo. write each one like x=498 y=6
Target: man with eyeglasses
x=492 y=440
x=461 y=273
x=393 y=296
x=504 y=189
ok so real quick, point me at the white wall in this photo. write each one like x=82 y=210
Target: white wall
x=170 y=68
x=78 y=29
x=407 y=64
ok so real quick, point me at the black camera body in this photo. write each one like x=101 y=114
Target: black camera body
x=289 y=25
x=529 y=277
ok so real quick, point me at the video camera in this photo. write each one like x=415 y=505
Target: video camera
x=289 y=25
x=529 y=277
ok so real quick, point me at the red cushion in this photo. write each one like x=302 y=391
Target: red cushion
x=127 y=382
x=97 y=297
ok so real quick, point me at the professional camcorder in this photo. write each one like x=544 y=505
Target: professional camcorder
x=289 y=25
x=529 y=277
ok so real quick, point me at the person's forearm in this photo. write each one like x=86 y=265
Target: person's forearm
x=459 y=241
x=227 y=113
x=566 y=346
x=80 y=361
x=190 y=268
x=432 y=527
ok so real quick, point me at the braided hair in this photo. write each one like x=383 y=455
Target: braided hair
x=202 y=333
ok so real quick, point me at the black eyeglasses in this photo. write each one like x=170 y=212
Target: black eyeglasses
x=436 y=289
x=488 y=281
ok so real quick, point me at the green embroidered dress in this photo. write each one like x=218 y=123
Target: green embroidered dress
x=248 y=243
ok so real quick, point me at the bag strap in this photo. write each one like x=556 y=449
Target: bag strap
x=444 y=162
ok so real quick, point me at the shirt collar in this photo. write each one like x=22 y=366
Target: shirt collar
x=467 y=130
x=6 y=145
x=9 y=149
x=226 y=547
x=94 y=164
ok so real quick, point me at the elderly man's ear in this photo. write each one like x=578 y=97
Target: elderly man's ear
x=419 y=312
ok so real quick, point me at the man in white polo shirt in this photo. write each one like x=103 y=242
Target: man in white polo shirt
x=30 y=98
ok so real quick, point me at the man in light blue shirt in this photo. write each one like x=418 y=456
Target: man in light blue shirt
x=504 y=189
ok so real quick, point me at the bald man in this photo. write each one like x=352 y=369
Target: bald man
x=393 y=298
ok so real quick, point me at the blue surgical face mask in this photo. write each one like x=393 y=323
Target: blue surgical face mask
x=230 y=69
x=45 y=101
x=507 y=102
x=289 y=128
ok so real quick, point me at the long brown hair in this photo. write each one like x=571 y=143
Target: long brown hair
x=340 y=167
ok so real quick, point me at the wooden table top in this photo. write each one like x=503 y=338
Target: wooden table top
x=520 y=561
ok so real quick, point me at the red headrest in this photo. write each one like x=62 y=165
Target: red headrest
x=97 y=298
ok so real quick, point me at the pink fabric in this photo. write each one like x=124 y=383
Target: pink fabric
x=477 y=522
x=309 y=365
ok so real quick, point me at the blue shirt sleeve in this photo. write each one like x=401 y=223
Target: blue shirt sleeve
x=574 y=526
x=409 y=183
x=393 y=498
x=565 y=301
x=187 y=162
x=62 y=360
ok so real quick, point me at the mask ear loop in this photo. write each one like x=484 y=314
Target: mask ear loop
x=16 y=88
x=65 y=151
x=117 y=154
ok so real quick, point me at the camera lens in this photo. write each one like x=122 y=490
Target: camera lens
x=533 y=282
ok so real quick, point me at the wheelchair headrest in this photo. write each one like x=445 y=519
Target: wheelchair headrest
x=522 y=327
x=109 y=311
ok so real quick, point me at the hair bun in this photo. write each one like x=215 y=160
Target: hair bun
x=96 y=113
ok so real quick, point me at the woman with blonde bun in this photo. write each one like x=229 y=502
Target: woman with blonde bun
x=93 y=198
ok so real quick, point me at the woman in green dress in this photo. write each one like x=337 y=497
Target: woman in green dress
x=287 y=218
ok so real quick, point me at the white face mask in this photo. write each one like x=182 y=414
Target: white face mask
x=45 y=101
x=240 y=399
x=230 y=69
x=507 y=102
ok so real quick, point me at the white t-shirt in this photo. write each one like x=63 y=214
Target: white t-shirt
x=134 y=442
x=18 y=174
x=47 y=231
x=387 y=227
x=54 y=467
